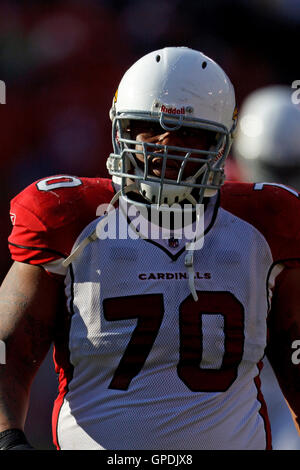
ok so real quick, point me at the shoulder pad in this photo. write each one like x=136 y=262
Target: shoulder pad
x=49 y=214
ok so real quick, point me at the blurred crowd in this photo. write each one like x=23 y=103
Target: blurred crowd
x=62 y=61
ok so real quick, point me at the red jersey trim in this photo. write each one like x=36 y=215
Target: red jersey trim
x=36 y=257
x=65 y=369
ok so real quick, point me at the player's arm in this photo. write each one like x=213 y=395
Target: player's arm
x=284 y=329
x=29 y=300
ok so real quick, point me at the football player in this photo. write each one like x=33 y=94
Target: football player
x=159 y=340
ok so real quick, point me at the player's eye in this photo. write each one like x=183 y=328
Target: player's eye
x=192 y=132
x=199 y=135
x=154 y=129
x=188 y=132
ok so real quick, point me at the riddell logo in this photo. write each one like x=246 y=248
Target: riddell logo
x=164 y=109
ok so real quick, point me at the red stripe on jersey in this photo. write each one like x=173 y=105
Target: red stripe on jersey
x=263 y=409
x=63 y=367
x=64 y=380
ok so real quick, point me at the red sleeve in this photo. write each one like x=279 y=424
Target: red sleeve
x=272 y=209
x=48 y=216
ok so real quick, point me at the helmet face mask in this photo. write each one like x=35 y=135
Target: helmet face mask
x=143 y=104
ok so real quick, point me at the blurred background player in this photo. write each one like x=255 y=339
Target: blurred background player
x=267 y=143
x=267 y=149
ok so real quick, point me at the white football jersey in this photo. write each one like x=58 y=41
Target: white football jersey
x=153 y=368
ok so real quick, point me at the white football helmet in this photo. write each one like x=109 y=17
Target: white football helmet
x=174 y=86
x=267 y=141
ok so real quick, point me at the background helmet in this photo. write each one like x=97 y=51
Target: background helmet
x=175 y=87
x=267 y=141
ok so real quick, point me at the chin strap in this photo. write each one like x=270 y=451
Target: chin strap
x=189 y=264
x=78 y=250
